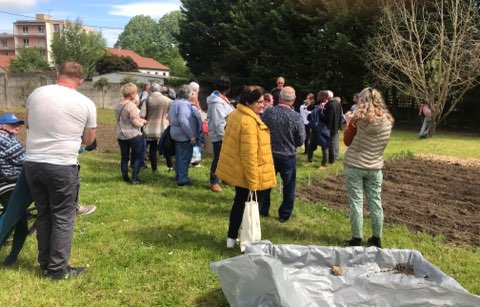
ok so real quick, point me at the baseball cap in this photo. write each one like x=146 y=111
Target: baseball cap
x=9 y=118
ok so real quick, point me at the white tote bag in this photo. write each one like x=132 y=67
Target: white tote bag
x=250 y=229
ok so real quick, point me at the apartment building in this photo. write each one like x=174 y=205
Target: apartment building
x=36 y=33
x=7 y=45
x=33 y=33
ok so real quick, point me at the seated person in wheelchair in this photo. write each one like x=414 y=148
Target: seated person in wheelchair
x=12 y=158
x=12 y=153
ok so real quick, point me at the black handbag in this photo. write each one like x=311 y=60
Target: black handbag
x=166 y=145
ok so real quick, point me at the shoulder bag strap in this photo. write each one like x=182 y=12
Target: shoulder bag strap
x=120 y=114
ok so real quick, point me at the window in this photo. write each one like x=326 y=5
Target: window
x=25 y=29
x=56 y=28
x=25 y=42
x=41 y=29
x=4 y=44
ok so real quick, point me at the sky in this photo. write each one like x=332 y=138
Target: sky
x=108 y=16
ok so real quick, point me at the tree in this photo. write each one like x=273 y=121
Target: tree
x=73 y=43
x=139 y=35
x=203 y=34
x=102 y=84
x=28 y=60
x=313 y=43
x=155 y=40
x=429 y=50
x=169 y=53
x=112 y=63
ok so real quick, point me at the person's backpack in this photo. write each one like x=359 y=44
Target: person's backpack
x=166 y=145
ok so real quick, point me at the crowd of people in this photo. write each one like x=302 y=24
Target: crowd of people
x=253 y=139
x=257 y=137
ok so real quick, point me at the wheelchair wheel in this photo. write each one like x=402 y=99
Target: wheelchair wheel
x=6 y=190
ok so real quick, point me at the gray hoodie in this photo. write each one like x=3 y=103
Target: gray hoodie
x=218 y=110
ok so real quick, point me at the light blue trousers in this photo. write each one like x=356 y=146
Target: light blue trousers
x=360 y=181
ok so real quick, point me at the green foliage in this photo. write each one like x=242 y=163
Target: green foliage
x=139 y=35
x=202 y=35
x=113 y=63
x=403 y=154
x=313 y=43
x=128 y=79
x=73 y=43
x=156 y=40
x=175 y=82
x=28 y=60
x=101 y=84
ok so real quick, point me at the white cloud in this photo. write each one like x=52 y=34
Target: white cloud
x=152 y=9
x=18 y=4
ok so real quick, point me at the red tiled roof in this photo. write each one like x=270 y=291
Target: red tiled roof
x=141 y=61
x=5 y=61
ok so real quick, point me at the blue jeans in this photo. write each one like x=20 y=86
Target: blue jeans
x=333 y=148
x=287 y=167
x=183 y=153
x=425 y=127
x=135 y=146
x=144 y=152
x=217 y=146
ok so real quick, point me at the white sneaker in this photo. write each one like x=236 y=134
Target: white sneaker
x=231 y=242
x=85 y=210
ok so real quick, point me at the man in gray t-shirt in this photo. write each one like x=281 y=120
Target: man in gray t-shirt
x=59 y=119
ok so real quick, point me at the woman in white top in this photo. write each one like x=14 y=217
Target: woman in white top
x=304 y=112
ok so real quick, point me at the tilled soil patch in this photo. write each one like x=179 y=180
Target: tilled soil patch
x=435 y=195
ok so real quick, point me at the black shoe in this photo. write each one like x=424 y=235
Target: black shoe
x=136 y=181
x=264 y=214
x=282 y=220
x=43 y=272
x=183 y=184
x=374 y=241
x=10 y=260
x=126 y=178
x=354 y=242
x=69 y=272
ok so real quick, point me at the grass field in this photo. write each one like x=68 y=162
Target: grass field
x=151 y=245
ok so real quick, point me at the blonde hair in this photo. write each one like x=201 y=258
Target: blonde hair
x=370 y=107
x=128 y=89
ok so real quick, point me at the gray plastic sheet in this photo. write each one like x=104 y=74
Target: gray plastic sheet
x=293 y=275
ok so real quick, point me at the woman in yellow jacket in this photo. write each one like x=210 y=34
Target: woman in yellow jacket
x=246 y=157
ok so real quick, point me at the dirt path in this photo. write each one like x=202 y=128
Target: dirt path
x=430 y=194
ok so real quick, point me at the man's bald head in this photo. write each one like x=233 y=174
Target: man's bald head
x=287 y=95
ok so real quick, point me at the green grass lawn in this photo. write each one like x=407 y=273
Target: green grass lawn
x=151 y=245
